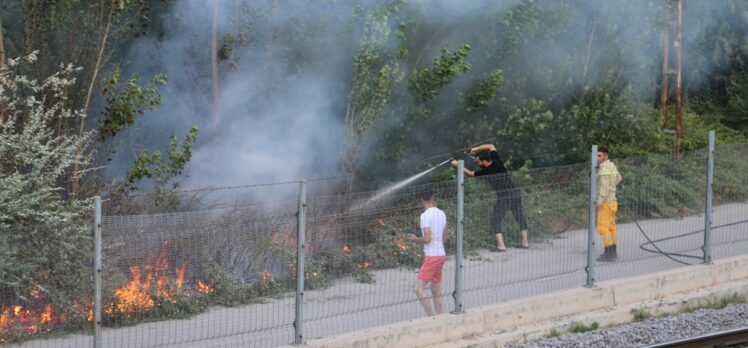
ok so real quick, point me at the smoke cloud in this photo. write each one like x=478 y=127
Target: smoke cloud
x=286 y=70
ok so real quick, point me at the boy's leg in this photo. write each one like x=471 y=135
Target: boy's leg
x=436 y=292
x=420 y=285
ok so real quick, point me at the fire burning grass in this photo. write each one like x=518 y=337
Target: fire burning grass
x=19 y=320
x=153 y=286
x=165 y=287
x=153 y=290
x=36 y=318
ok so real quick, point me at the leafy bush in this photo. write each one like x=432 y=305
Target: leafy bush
x=43 y=245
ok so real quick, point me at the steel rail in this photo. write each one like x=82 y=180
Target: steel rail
x=727 y=338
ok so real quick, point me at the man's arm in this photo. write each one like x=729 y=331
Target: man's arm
x=444 y=235
x=426 y=239
x=484 y=147
x=468 y=172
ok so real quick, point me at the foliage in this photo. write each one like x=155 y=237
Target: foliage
x=35 y=213
x=427 y=83
x=390 y=250
x=579 y=327
x=640 y=314
x=484 y=93
x=376 y=71
x=155 y=167
x=125 y=102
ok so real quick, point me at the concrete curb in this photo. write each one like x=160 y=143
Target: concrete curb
x=512 y=321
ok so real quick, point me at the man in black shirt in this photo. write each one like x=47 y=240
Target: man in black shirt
x=508 y=197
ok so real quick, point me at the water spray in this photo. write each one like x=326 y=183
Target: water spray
x=381 y=194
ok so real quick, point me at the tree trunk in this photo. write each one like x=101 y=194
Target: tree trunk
x=214 y=62
x=84 y=112
x=2 y=50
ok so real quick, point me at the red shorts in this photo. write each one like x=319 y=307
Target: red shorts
x=431 y=269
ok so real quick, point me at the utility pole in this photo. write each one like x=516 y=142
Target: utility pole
x=678 y=72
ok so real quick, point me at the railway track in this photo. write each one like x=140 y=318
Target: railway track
x=724 y=339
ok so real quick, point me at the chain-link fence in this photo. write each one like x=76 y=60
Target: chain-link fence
x=46 y=284
x=729 y=231
x=231 y=275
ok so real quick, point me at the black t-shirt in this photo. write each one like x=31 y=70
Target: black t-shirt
x=499 y=177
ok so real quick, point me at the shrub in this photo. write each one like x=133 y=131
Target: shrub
x=43 y=245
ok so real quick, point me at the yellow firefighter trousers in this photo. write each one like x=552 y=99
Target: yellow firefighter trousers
x=606 y=222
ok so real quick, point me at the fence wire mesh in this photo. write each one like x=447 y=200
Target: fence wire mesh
x=172 y=265
x=551 y=203
x=46 y=285
x=730 y=212
x=190 y=269
x=359 y=259
x=660 y=218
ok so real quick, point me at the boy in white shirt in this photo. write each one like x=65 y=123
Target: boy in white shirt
x=433 y=236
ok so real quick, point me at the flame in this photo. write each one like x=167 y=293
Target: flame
x=267 y=277
x=380 y=221
x=16 y=319
x=151 y=282
x=86 y=309
x=148 y=283
x=46 y=315
x=135 y=296
x=400 y=241
x=180 y=275
x=203 y=288
x=346 y=249
x=365 y=264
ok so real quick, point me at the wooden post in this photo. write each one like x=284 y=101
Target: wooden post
x=663 y=96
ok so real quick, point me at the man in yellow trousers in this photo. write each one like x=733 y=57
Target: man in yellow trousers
x=607 y=205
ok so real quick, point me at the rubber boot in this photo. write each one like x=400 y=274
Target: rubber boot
x=612 y=256
x=605 y=256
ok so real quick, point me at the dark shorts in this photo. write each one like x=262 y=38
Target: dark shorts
x=507 y=200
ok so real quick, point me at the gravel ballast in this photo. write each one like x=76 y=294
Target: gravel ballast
x=653 y=331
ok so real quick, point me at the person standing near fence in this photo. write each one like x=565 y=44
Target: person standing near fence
x=608 y=178
x=433 y=235
x=508 y=197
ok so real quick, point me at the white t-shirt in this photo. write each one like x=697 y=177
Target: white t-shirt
x=435 y=219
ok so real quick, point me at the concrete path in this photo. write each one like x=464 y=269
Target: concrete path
x=553 y=265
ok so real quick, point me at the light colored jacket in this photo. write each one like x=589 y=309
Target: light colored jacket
x=608 y=178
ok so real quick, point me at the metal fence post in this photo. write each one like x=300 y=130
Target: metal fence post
x=97 y=272
x=708 y=209
x=590 y=269
x=457 y=294
x=301 y=232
